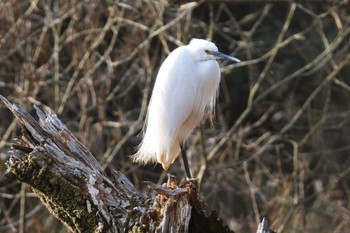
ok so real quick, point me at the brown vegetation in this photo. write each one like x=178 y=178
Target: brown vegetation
x=280 y=144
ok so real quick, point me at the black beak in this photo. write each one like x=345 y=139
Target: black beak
x=224 y=56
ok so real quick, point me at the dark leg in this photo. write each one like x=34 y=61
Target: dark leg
x=184 y=157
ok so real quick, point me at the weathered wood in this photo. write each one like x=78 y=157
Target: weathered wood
x=67 y=178
x=70 y=182
x=264 y=227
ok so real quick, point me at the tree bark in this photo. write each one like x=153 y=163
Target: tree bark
x=72 y=185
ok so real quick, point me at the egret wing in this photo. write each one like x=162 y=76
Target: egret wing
x=175 y=90
x=173 y=101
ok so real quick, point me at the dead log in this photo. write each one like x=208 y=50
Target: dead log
x=72 y=185
x=264 y=227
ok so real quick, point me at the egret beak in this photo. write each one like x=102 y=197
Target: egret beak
x=224 y=56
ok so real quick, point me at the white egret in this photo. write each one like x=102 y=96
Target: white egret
x=186 y=86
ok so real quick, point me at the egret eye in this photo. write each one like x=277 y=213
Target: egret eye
x=207 y=51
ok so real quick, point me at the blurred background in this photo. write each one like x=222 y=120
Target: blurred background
x=279 y=146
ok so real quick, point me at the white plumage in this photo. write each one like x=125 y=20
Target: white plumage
x=186 y=85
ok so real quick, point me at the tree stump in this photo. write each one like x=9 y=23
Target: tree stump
x=72 y=185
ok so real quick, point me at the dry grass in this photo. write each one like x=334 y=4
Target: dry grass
x=280 y=144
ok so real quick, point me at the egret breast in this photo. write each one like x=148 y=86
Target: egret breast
x=207 y=75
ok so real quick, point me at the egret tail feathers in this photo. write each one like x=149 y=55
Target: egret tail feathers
x=151 y=152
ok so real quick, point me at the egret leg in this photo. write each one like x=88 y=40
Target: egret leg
x=184 y=157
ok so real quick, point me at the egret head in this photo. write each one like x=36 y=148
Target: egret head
x=206 y=50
